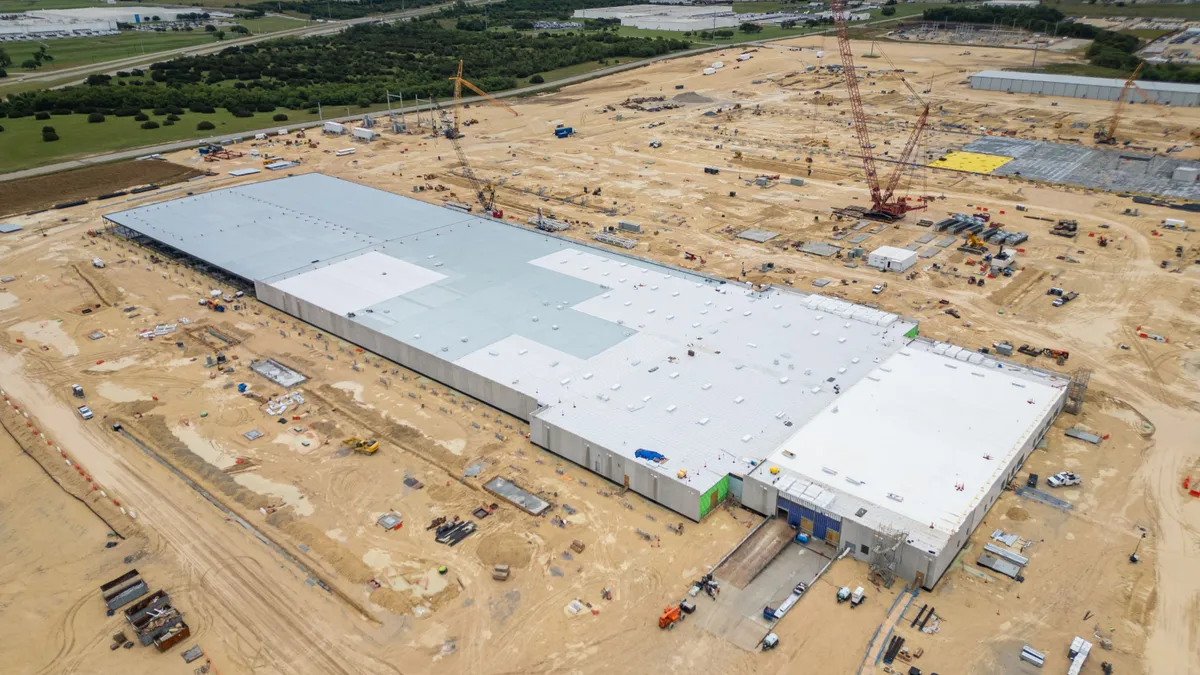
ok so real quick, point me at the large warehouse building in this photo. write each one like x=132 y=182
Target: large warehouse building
x=1097 y=88
x=685 y=388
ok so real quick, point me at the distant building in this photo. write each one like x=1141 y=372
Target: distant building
x=1096 y=88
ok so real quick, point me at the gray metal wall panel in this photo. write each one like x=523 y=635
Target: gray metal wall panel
x=759 y=496
x=672 y=494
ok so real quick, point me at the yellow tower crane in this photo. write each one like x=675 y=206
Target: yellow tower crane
x=459 y=81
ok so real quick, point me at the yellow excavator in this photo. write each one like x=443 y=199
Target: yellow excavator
x=356 y=444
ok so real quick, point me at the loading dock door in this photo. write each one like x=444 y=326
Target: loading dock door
x=811 y=522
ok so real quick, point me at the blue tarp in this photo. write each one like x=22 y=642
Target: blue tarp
x=643 y=453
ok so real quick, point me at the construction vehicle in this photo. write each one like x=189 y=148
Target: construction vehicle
x=1109 y=136
x=77 y=391
x=692 y=256
x=771 y=641
x=843 y=594
x=485 y=193
x=212 y=305
x=670 y=616
x=857 y=597
x=1056 y=353
x=1103 y=241
x=974 y=245
x=356 y=444
x=458 y=104
x=885 y=206
x=1064 y=298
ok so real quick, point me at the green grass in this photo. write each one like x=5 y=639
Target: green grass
x=80 y=51
x=24 y=147
x=271 y=24
x=1161 y=10
x=1146 y=34
x=577 y=69
x=760 y=7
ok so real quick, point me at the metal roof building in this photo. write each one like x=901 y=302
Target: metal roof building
x=1097 y=88
x=672 y=383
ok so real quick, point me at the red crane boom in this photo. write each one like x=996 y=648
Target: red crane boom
x=883 y=205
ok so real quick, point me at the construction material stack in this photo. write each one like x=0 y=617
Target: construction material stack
x=157 y=622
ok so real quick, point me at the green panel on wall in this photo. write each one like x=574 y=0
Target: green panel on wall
x=720 y=490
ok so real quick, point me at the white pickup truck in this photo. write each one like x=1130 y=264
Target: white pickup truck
x=1064 y=479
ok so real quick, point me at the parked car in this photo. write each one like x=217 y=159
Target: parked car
x=1064 y=479
x=85 y=412
x=878 y=289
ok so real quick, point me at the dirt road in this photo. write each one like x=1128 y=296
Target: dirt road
x=286 y=626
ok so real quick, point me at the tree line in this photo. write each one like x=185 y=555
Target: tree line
x=1109 y=49
x=356 y=67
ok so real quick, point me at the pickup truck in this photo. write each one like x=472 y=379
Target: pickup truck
x=1064 y=479
x=85 y=412
x=1059 y=302
x=878 y=289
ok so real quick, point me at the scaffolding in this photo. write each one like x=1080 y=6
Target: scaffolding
x=1077 y=390
x=885 y=555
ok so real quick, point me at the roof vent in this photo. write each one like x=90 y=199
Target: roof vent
x=778 y=306
x=895 y=497
x=815 y=390
x=854 y=360
x=702 y=421
x=675 y=294
x=645 y=399
x=853 y=481
x=606 y=296
x=746 y=313
x=706 y=386
x=787 y=325
x=816 y=332
x=615 y=386
x=604 y=397
x=746 y=438
x=674 y=375
x=670 y=316
x=587 y=376
x=522 y=352
x=841 y=340
x=553 y=327
x=829 y=471
x=779 y=415
x=696 y=325
x=654 y=288
x=494 y=353
x=751 y=345
x=565 y=381
x=739 y=399
x=841 y=371
x=535 y=319
x=783 y=380
x=671 y=408
x=554 y=364
x=729 y=308
x=628 y=303
x=650 y=311
x=417 y=336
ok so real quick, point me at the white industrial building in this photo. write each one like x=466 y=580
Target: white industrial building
x=1097 y=88
x=892 y=259
x=699 y=17
x=685 y=388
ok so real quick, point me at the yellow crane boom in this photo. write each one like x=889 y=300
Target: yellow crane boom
x=459 y=81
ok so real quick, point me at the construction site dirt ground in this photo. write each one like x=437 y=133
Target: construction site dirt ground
x=254 y=610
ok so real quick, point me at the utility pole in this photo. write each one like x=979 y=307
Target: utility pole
x=1035 y=51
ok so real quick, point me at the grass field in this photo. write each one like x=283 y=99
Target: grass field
x=24 y=147
x=80 y=51
x=1160 y=10
x=757 y=7
x=1146 y=33
x=577 y=69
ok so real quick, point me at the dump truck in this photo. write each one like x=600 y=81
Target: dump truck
x=356 y=444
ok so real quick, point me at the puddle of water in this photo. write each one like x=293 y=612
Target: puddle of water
x=8 y=300
x=118 y=394
x=455 y=445
x=47 y=333
x=351 y=387
x=110 y=366
x=265 y=486
x=206 y=449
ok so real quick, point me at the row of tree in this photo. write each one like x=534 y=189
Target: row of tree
x=1109 y=49
x=356 y=67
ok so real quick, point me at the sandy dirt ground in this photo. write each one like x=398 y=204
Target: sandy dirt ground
x=389 y=610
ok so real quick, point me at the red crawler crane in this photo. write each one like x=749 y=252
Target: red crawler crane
x=884 y=206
